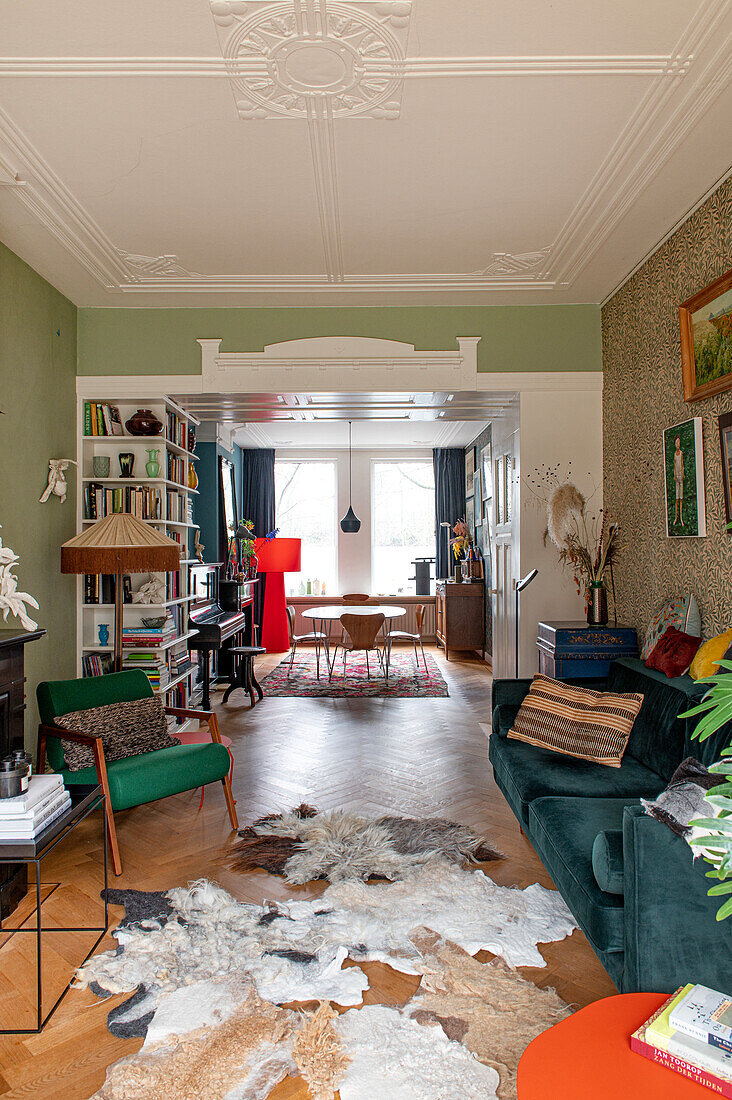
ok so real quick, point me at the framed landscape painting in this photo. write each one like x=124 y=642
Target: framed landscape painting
x=683 y=463
x=706 y=340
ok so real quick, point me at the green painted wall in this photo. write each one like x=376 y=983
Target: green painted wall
x=37 y=376
x=515 y=338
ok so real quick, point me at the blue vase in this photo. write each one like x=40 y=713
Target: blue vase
x=103 y=629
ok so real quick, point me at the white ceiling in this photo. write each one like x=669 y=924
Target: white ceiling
x=289 y=152
x=367 y=435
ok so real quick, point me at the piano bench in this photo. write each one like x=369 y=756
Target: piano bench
x=243 y=658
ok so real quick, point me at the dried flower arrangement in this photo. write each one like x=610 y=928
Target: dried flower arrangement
x=463 y=541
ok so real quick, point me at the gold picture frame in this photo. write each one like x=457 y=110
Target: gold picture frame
x=705 y=322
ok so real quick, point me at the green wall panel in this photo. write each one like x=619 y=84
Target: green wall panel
x=515 y=338
x=38 y=373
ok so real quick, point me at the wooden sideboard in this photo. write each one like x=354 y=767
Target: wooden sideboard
x=460 y=616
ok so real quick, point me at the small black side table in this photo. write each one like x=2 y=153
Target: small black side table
x=85 y=799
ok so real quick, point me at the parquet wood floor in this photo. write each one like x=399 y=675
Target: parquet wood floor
x=421 y=756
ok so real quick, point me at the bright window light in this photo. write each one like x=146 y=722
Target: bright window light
x=403 y=522
x=306 y=499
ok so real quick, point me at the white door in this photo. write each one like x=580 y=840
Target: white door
x=505 y=542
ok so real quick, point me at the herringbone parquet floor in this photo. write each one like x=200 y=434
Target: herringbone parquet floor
x=421 y=756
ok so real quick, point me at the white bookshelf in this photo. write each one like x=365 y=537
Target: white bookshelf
x=175 y=498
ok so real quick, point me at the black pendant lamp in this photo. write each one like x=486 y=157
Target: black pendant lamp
x=350 y=523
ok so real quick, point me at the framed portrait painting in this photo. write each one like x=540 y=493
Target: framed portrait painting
x=486 y=471
x=706 y=340
x=683 y=464
x=725 y=439
x=469 y=471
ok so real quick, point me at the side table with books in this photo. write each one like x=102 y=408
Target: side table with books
x=32 y=825
x=589 y=1055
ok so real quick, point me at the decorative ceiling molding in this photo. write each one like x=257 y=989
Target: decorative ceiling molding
x=667 y=65
x=142 y=267
x=655 y=130
x=284 y=57
x=506 y=264
x=40 y=190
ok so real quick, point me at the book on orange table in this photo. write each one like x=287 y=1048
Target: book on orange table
x=643 y=1039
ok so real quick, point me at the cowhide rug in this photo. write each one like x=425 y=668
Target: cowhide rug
x=294 y=951
x=304 y=845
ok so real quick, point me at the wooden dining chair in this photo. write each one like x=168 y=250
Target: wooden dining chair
x=406 y=636
x=355 y=597
x=360 y=634
x=316 y=636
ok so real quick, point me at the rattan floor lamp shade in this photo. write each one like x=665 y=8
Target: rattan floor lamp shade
x=120 y=544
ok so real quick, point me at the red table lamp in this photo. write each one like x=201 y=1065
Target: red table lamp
x=276 y=557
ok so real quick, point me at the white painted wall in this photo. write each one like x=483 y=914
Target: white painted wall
x=556 y=426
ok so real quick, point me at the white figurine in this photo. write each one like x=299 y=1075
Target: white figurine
x=152 y=591
x=57 y=468
x=10 y=598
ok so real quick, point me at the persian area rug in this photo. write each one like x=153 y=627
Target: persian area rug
x=304 y=845
x=294 y=951
x=405 y=680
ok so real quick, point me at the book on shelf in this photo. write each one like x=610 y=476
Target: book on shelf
x=97 y=664
x=140 y=501
x=99 y=588
x=658 y=1041
x=706 y=1015
x=102 y=419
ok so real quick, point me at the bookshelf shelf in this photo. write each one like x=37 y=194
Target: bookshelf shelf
x=168 y=493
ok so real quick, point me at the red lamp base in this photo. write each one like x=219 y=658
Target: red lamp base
x=275 y=635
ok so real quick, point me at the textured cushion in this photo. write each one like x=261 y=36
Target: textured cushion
x=683 y=798
x=607 y=861
x=128 y=729
x=673 y=652
x=563 y=831
x=705 y=661
x=525 y=773
x=591 y=725
x=683 y=613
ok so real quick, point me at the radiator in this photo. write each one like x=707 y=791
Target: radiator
x=407 y=622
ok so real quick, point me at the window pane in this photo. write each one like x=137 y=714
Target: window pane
x=306 y=509
x=403 y=522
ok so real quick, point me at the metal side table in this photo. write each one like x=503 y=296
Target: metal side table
x=85 y=799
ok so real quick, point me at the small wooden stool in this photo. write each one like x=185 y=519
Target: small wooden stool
x=243 y=656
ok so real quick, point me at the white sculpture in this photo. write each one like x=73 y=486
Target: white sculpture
x=152 y=591
x=11 y=600
x=57 y=468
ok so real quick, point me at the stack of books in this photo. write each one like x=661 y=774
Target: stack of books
x=102 y=419
x=691 y=1033
x=148 y=637
x=29 y=813
x=152 y=664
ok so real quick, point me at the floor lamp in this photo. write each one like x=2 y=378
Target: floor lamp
x=120 y=544
x=276 y=557
x=519 y=586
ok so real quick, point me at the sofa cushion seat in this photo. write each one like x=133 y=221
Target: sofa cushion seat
x=563 y=831
x=527 y=772
x=139 y=779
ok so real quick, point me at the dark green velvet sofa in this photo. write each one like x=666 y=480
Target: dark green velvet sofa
x=630 y=882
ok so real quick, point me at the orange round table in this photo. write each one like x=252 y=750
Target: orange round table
x=588 y=1057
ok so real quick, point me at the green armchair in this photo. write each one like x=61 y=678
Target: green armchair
x=136 y=779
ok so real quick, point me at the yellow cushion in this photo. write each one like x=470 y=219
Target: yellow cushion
x=705 y=661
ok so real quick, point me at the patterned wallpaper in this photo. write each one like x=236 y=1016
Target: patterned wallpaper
x=643 y=394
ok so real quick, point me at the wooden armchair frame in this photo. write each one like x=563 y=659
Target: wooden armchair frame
x=94 y=741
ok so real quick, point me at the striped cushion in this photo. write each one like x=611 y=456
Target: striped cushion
x=592 y=725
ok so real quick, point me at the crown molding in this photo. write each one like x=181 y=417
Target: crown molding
x=667 y=65
x=655 y=130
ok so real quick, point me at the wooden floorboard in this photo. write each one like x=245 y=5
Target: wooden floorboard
x=414 y=756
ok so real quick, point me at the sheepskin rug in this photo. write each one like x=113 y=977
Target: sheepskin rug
x=294 y=951
x=488 y=1007
x=304 y=845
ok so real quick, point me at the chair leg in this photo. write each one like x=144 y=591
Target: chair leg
x=247 y=676
x=317 y=659
x=345 y=654
x=416 y=656
x=255 y=681
x=292 y=657
x=368 y=670
x=230 y=803
x=424 y=659
x=108 y=812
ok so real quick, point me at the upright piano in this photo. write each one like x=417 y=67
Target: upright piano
x=220 y=612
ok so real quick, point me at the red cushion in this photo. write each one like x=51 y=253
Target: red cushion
x=673 y=652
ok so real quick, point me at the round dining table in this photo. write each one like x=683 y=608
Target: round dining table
x=332 y=612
